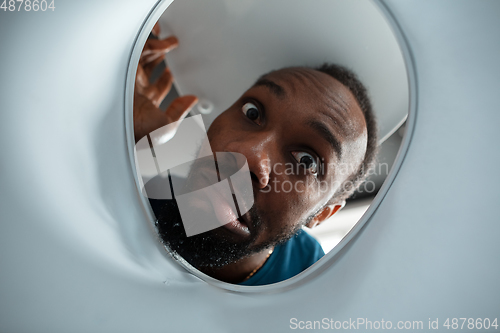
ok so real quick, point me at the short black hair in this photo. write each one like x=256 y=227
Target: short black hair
x=350 y=80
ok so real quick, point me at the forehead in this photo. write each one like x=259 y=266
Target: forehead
x=306 y=80
x=314 y=93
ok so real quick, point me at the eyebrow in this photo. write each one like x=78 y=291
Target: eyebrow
x=323 y=130
x=275 y=88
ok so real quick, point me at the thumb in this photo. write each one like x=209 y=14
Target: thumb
x=180 y=107
x=177 y=111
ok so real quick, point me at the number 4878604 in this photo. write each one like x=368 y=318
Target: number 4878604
x=27 y=5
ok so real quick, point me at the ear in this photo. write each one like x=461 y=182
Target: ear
x=325 y=214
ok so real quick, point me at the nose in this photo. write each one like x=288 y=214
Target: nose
x=257 y=148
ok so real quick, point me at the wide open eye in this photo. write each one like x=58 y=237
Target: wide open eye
x=307 y=161
x=251 y=111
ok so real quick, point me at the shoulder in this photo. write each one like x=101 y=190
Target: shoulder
x=288 y=260
x=303 y=248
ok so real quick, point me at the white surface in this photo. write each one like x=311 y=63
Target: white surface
x=225 y=45
x=76 y=250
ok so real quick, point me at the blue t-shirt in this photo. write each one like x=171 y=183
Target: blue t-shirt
x=288 y=260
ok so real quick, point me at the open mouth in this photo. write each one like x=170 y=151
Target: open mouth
x=227 y=214
x=222 y=197
x=238 y=227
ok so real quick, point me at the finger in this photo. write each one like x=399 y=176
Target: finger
x=162 y=45
x=161 y=87
x=148 y=56
x=149 y=67
x=157 y=91
x=141 y=79
x=156 y=29
x=153 y=49
x=180 y=107
x=147 y=117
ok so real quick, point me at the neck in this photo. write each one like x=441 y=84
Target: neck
x=238 y=271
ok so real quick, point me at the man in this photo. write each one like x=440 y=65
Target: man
x=318 y=120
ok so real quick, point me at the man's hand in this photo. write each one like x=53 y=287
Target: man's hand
x=148 y=96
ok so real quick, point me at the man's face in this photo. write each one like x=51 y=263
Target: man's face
x=295 y=127
x=300 y=130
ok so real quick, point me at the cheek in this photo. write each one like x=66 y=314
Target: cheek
x=287 y=204
x=216 y=133
x=215 y=126
x=221 y=131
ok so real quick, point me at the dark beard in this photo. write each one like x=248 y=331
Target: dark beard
x=211 y=249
